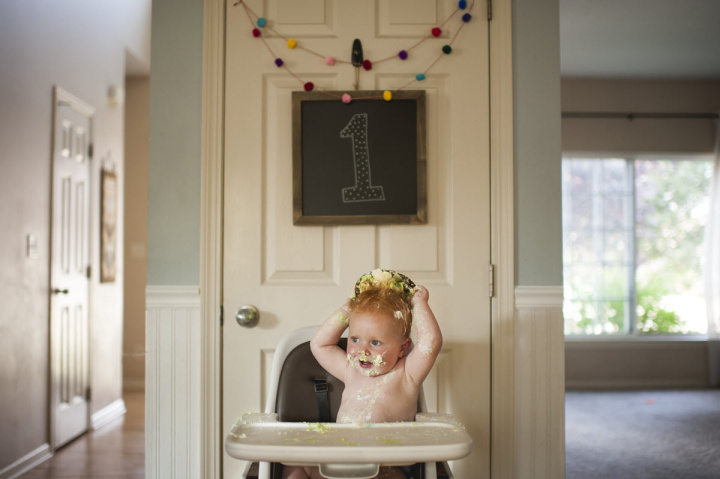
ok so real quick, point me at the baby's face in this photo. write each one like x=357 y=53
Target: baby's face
x=375 y=343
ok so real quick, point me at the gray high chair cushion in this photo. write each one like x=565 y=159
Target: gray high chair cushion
x=297 y=400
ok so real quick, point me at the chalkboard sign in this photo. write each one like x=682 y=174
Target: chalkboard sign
x=361 y=162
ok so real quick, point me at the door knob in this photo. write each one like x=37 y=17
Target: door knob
x=60 y=291
x=247 y=316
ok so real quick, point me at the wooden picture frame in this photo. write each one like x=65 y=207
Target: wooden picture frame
x=108 y=226
x=362 y=162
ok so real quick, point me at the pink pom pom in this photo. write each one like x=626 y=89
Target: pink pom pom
x=330 y=60
x=346 y=98
x=308 y=86
x=256 y=32
x=367 y=65
x=436 y=32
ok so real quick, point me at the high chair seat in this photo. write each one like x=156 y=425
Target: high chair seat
x=298 y=427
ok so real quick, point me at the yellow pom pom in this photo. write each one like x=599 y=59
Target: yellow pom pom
x=291 y=43
x=387 y=95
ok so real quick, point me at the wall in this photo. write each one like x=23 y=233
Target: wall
x=639 y=96
x=630 y=363
x=79 y=46
x=174 y=170
x=137 y=144
x=539 y=353
x=538 y=201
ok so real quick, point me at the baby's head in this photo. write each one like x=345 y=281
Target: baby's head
x=385 y=291
x=380 y=321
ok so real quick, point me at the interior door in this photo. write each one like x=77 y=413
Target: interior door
x=69 y=267
x=297 y=275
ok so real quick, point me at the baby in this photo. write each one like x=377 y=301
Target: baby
x=381 y=371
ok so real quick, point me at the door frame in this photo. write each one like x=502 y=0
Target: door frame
x=503 y=443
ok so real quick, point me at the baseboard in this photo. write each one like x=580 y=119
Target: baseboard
x=27 y=462
x=112 y=411
x=632 y=384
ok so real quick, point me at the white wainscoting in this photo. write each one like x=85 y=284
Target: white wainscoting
x=173 y=387
x=539 y=383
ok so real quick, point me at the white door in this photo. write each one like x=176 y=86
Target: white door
x=297 y=275
x=69 y=267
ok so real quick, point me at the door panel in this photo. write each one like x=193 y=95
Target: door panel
x=297 y=275
x=69 y=268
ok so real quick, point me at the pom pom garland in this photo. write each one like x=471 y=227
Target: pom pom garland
x=367 y=65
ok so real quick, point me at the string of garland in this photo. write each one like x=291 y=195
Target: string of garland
x=261 y=23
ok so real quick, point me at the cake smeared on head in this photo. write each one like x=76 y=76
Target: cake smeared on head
x=385 y=291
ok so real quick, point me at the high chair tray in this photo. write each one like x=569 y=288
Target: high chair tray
x=433 y=437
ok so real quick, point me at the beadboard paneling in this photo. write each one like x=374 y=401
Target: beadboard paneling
x=540 y=383
x=173 y=383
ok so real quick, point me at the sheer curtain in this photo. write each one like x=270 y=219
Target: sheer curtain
x=712 y=268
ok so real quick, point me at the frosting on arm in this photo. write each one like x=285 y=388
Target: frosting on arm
x=429 y=338
x=324 y=343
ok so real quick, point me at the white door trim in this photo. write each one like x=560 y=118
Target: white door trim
x=503 y=308
x=503 y=453
x=211 y=217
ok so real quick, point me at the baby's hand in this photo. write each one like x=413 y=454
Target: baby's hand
x=421 y=294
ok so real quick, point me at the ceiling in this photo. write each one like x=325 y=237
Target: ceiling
x=674 y=39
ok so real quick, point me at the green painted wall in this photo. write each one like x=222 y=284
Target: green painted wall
x=175 y=127
x=538 y=152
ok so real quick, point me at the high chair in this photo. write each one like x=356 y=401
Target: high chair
x=303 y=393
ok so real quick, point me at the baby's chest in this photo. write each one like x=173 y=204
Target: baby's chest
x=379 y=401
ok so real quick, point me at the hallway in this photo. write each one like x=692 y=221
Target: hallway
x=116 y=450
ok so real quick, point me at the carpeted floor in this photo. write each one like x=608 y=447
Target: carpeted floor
x=643 y=434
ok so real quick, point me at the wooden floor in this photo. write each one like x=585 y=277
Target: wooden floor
x=116 y=450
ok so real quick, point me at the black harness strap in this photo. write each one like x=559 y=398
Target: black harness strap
x=321 y=392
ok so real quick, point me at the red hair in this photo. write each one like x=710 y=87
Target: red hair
x=385 y=301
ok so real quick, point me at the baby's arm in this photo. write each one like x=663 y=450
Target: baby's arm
x=429 y=338
x=324 y=343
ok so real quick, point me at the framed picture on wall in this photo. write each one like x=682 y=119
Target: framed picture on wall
x=362 y=162
x=108 y=224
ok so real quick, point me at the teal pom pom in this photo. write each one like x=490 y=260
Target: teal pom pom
x=420 y=76
x=261 y=22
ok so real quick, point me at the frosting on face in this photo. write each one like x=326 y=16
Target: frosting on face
x=367 y=364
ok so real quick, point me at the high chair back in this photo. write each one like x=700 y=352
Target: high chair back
x=300 y=390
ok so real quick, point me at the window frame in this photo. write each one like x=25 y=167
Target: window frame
x=631 y=333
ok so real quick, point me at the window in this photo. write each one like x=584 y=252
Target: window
x=633 y=245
